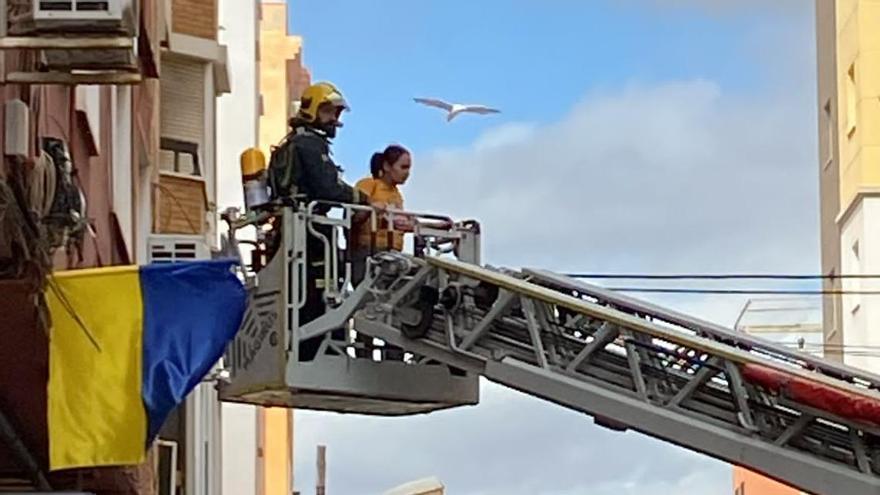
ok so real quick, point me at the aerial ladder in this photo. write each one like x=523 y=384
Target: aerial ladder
x=810 y=423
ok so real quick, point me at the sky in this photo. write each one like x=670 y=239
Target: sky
x=635 y=136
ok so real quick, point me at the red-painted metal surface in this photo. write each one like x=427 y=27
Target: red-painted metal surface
x=814 y=394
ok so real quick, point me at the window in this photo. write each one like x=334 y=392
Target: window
x=829 y=131
x=179 y=156
x=852 y=101
x=855 y=285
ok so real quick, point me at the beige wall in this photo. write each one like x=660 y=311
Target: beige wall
x=848 y=48
x=276 y=447
x=858 y=88
x=277 y=47
x=829 y=168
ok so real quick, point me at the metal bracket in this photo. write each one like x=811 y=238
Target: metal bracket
x=706 y=372
x=502 y=305
x=606 y=334
x=335 y=319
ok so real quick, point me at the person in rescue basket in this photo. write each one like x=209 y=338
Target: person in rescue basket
x=301 y=165
x=388 y=170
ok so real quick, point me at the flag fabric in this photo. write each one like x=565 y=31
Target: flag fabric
x=127 y=345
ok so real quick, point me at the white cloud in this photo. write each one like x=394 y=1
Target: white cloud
x=504 y=135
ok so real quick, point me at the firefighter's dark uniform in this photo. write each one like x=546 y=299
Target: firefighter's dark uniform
x=316 y=177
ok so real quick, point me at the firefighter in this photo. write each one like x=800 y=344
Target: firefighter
x=301 y=166
x=302 y=163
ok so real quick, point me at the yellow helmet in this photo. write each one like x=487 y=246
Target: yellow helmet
x=316 y=95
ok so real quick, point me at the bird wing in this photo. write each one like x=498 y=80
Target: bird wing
x=432 y=102
x=480 y=109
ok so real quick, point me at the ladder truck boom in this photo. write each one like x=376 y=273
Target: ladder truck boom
x=629 y=368
x=631 y=365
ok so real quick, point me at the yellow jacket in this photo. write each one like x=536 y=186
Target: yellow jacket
x=379 y=191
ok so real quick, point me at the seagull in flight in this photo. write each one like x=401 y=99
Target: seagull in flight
x=454 y=109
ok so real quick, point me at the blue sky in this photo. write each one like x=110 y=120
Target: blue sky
x=649 y=136
x=532 y=59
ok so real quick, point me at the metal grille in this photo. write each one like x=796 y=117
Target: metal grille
x=74 y=5
x=174 y=249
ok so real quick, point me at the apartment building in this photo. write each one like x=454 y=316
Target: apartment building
x=194 y=74
x=110 y=141
x=848 y=51
x=79 y=132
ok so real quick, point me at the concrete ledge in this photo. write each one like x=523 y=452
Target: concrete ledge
x=195 y=47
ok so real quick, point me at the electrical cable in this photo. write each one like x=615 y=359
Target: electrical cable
x=719 y=276
x=669 y=290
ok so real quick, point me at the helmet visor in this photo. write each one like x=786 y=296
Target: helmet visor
x=337 y=101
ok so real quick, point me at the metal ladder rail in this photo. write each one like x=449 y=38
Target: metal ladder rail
x=714 y=401
x=658 y=314
x=640 y=324
x=597 y=367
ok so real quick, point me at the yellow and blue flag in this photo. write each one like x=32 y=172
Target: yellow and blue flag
x=127 y=345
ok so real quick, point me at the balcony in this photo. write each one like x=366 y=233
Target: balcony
x=71 y=42
x=181 y=201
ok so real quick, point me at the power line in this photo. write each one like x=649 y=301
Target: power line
x=764 y=292
x=719 y=276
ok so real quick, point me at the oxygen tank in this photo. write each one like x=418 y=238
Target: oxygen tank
x=253 y=178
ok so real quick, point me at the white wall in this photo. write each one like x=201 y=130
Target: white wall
x=239 y=455
x=203 y=441
x=210 y=154
x=144 y=214
x=238 y=117
x=237 y=124
x=120 y=109
x=88 y=101
x=861 y=313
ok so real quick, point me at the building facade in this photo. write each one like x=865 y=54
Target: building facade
x=75 y=145
x=140 y=134
x=848 y=48
x=184 y=221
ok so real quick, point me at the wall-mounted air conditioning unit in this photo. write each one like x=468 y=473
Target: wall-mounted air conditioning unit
x=174 y=248
x=94 y=17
